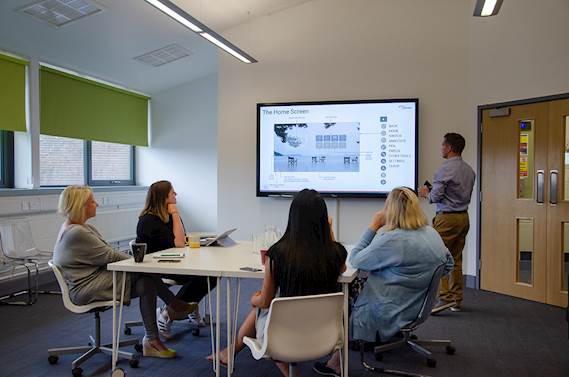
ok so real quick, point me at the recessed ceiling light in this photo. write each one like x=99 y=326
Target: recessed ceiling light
x=485 y=8
x=163 y=55
x=60 y=12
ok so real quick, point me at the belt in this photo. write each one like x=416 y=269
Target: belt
x=447 y=212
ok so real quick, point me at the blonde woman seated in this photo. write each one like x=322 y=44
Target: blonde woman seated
x=401 y=260
x=82 y=255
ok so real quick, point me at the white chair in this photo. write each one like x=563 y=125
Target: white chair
x=300 y=329
x=95 y=345
x=17 y=248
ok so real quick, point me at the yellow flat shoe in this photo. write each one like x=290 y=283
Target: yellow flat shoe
x=149 y=351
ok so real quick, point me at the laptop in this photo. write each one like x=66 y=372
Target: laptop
x=221 y=240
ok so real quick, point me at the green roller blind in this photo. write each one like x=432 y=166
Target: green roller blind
x=75 y=107
x=12 y=94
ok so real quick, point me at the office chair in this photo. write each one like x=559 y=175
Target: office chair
x=17 y=248
x=409 y=338
x=300 y=329
x=94 y=346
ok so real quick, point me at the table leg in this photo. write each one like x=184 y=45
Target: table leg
x=235 y=317
x=114 y=360
x=217 y=327
x=211 y=332
x=345 y=354
x=229 y=326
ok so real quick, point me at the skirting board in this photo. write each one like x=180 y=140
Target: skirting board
x=470 y=281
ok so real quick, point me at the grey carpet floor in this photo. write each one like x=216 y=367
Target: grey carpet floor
x=494 y=335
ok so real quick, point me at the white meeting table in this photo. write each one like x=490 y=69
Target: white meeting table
x=217 y=262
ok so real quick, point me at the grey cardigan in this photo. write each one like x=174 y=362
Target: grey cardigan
x=82 y=255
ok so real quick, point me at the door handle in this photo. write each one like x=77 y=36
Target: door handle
x=540 y=183
x=553 y=175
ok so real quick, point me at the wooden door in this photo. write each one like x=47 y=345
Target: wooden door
x=558 y=203
x=513 y=210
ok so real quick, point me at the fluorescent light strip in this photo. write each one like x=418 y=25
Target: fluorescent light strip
x=224 y=47
x=174 y=15
x=488 y=8
x=185 y=19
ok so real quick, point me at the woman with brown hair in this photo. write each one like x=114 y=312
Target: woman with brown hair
x=82 y=254
x=160 y=227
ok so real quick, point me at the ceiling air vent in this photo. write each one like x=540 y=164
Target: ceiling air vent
x=61 y=12
x=163 y=55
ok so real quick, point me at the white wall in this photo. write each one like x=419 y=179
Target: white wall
x=183 y=149
x=521 y=53
x=326 y=50
x=333 y=49
x=116 y=218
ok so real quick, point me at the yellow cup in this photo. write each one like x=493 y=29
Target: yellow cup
x=193 y=240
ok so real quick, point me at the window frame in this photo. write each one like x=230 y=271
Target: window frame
x=114 y=182
x=87 y=169
x=7 y=162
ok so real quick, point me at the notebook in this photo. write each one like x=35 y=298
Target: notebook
x=168 y=255
x=221 y=240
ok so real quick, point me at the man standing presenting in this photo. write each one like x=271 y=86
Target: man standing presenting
x=451 y=191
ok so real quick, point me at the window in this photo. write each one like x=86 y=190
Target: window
x=66 y=161
x=62 y=161
x=6 y=159
x=110 y=164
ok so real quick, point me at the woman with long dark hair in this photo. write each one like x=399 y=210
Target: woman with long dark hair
x=305 y=261
x=160 y=227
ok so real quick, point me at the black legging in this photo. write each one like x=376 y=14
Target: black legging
x=194 y=288
x=147 y=287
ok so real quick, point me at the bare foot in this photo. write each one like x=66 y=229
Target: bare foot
x=223 y=356
x=334 y=366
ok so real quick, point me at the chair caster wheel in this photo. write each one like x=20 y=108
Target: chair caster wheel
x=127 y=331
x=450 y=350
x=196 y=332
x=118 y=372
x=378 y=356
x=138 y=347
x=431 y=363
x=52 y=359
x=77 y=372
x=134 y=362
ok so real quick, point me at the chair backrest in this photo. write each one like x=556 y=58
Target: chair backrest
x=304 y=328
x=430 y=297
x=69 y=305
x=17 y=240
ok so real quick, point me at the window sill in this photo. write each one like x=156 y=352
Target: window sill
x=6 y=192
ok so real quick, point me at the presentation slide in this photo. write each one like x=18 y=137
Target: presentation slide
x=362 y=148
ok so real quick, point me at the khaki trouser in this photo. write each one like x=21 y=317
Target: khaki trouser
x=453 y=228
